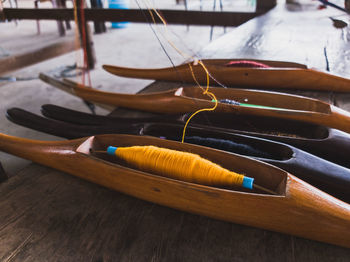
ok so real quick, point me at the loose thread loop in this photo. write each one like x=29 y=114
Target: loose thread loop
x=186 y=56
x=205 y=92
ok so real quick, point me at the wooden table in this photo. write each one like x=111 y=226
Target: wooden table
x=50 y=216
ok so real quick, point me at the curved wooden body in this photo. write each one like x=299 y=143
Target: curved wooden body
x=329 y=177
x=78 y=117
x=189 y=99
x=328 y=143
x=298 y=208
x=280 y=75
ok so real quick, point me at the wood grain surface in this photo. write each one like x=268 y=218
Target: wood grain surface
x=49 y=216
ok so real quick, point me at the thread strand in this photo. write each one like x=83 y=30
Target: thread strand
x=186 y=56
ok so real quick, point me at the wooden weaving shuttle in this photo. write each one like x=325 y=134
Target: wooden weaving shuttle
x=189 y=99
x=77 y=117
x=277 y=75
x=328 y=143
x=298 y=208
x=329 y=177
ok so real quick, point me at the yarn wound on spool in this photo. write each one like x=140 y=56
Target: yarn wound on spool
x=179 y=165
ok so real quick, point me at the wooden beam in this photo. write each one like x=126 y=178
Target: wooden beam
x=135 y=15
x=37 y=55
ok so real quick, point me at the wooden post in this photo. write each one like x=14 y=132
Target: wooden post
x=60 y=25
x=2 y=15
x=62 y=4
x=100 y=27
x=91 y=55
x=87 y=40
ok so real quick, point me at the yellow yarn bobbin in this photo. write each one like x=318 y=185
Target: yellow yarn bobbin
x=179 y=165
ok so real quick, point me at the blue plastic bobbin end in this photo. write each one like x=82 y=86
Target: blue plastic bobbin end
x=111 y=150
x=248 y=182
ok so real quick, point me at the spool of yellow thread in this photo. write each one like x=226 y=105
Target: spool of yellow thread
x=179 y=165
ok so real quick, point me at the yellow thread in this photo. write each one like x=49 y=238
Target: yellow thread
x=178 y=165
x=198 y=111
x=184 y=55
x=207 y=74
x=205 y=91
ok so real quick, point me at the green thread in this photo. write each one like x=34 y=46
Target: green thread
x=254 y=106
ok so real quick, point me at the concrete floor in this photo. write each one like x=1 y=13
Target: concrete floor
x=134 y=46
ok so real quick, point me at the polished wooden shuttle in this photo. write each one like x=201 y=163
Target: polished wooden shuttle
x=297 y=208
